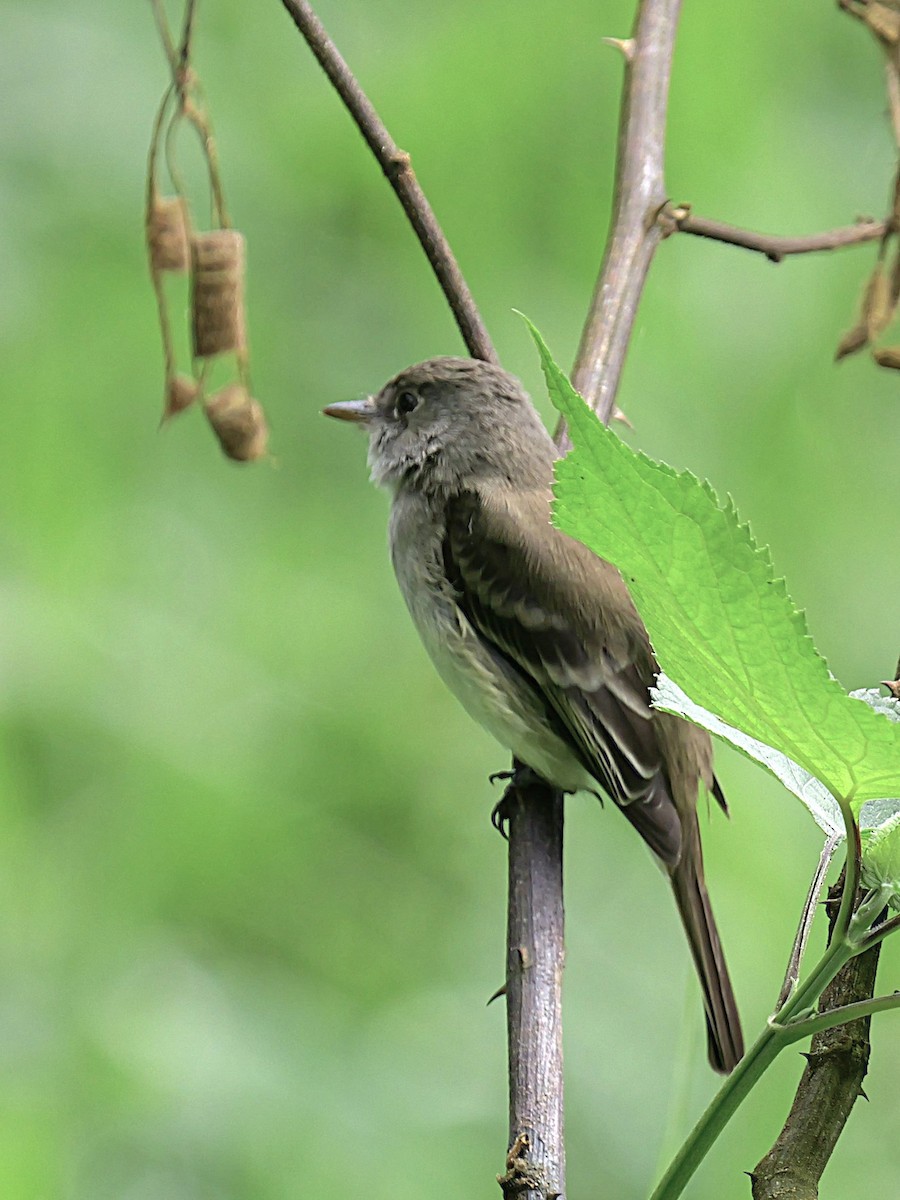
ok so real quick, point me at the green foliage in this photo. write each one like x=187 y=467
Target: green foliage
x=722 y=625
x=815 y=796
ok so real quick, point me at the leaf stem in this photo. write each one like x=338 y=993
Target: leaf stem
x=760 y=1056
x=874 y=936
x=852 y=869
x=852 y=934
x=841 y=1016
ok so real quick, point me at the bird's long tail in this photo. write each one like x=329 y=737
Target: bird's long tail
x=725 y=1042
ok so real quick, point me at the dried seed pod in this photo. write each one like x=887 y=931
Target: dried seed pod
x=238 y=422
x=217 y=292
x=884 y=22
x=888 y=356
x=181 y=392
x=877 y=308
x=167 y=238
x=853 y=340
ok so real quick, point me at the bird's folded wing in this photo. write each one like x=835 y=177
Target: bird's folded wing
x=564 y=619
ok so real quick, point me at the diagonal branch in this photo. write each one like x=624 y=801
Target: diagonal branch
x=397 y=167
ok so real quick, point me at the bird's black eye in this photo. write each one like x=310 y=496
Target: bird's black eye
x=406 y=402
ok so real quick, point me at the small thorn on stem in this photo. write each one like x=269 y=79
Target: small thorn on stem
x=624 y=45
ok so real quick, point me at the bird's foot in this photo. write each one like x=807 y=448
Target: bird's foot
x=500 y=814
x=518 y=780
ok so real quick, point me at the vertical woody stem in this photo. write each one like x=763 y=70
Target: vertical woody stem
x=535 y=1168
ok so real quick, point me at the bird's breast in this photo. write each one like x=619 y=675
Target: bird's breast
x=491 y=689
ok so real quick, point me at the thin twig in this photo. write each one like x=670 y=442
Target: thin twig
x=883 y=22
x=398 y=169
x=640 y=195
x=165 y=325
x=830 y=1085
x=773 y=246
x=165 y=34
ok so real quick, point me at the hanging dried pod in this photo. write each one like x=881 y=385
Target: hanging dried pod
x=167 y=238
x=854 y=339
x=877 y=308
x=238 y=422
x=181 y=392
x=883 y=20
x=217 y=292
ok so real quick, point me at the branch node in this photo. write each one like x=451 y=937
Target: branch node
x=397 y=164
x=522 y=1175
x=669 y=217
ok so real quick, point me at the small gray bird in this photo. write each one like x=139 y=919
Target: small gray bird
x=534 y=634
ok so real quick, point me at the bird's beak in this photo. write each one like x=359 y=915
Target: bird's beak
x=358 y=411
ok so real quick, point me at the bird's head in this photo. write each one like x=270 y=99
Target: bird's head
x=448 y=424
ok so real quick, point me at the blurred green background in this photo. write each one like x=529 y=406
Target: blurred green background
x=251 y=906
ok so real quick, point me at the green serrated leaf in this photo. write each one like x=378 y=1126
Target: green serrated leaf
x=822 y=806
x=721 y=624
